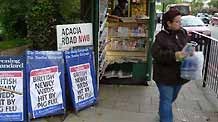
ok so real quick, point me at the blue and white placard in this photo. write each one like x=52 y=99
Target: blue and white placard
x=82 y=79
x=12 y=92
x=45 y=81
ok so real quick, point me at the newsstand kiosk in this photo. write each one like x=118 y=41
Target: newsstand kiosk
x=124 y=42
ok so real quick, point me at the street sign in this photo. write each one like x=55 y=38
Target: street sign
x=72 y=35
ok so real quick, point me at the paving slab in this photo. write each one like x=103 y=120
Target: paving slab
x=123 y=103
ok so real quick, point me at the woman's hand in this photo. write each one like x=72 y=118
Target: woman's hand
x=180 y=56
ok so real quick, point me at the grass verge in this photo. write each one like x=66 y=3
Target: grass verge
x=8 y=44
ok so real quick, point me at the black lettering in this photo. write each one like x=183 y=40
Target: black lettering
x=80 y=97
x=10 y=101
x=4 y=94
x=42 y=98
x=69 y=40
x=71 y=31
x=43 y=78
x=45 y=90
x=41 y=104
x=63 y=32
x=1 y=108
x=10 y=108
x=2 y=101
x=8 y=81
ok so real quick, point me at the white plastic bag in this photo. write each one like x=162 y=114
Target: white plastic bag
x=189 y=48
x=191 y=68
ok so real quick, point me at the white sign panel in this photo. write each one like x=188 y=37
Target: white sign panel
x=82 y=82
x=11 y=102
x=72 y=35
x=45 y=88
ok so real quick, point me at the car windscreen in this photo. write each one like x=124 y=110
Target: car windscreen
x=190 y=22
x=184 y=10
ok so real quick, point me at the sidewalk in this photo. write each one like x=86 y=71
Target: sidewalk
x=140 y=104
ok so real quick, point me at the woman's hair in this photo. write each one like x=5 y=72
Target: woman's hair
x=120 y=1
x=169 y=16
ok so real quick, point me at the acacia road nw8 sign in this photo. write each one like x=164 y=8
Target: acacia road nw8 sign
x=71 y=35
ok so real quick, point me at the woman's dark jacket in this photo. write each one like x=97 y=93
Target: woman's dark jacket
x=165 y=68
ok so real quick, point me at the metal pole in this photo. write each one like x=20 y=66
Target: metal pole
x=151 y=37
x=95 y=21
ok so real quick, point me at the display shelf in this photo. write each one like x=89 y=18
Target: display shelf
x=102 y=26
x=102 y=69
x=127 y=37
x=122 y=59
x=131 y=51
x=132 y=46
x=103 y=6
x=103 y=15
x=125 y=56
x=102 y=55
x=136 y=21
x=103 y=31
x=102 y=47
x=125 y=47
x=128 y=41
x=128 y=54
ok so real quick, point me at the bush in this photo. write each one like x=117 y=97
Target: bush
x=36 y=20
x=42 y=21
x=12 y=19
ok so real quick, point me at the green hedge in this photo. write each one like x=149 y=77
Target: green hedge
x=36 y=20
x=7 y=44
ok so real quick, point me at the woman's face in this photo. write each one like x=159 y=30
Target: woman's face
x=175 y=24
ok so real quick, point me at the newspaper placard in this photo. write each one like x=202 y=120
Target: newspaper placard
x=11 y=89
x=45 y=83
x=82 y=85
x=72 y=35
x=81 y=75
x=45 y=89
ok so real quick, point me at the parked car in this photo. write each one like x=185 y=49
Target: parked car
x=192 y=23
x=214 y=19
x=204 y=17
x=183 y=8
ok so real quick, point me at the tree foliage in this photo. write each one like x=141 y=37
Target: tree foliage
x=167 y=2
x=197 y=6
x=70 y=9
x=213 y=3
x=13 y=14
x=42 y=21
x=37 y=19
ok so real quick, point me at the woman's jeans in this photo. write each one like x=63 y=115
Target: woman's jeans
x=168 y=95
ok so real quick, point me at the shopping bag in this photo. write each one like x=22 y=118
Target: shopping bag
x=191 y=68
